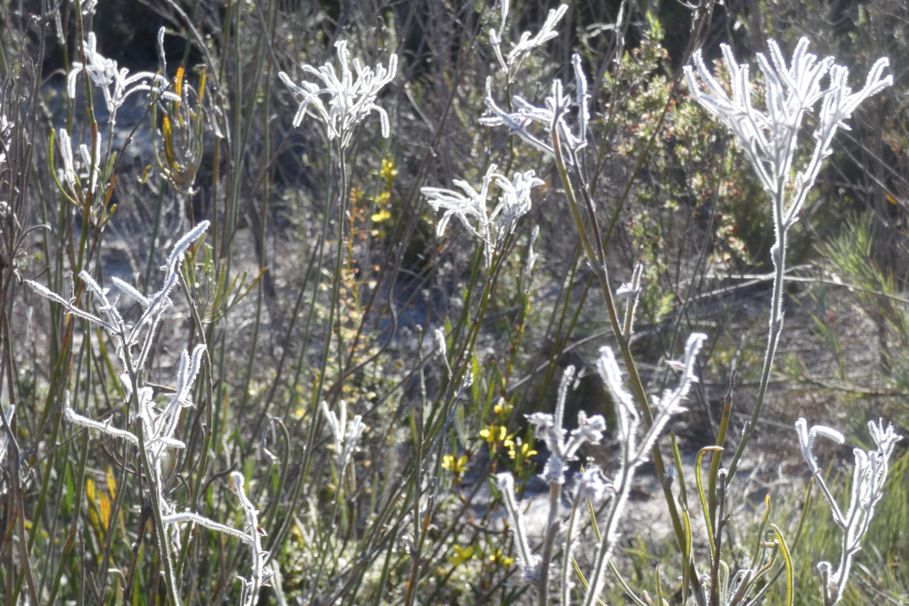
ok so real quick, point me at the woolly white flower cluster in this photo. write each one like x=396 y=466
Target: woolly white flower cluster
x=85 y=178
x=635 y=450
x=469 y=206
x=869 y=475
x=346 y=435
x=550 y=429
x=592 y=483
x=350 y=97
x=528 y=42
x=553 y=116
x=770 y=138
x=115 y=82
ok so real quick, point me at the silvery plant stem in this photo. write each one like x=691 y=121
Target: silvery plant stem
x=552 y=529
x=567 y=554
x=154 y=481
x=774 y=328
x=610 y=535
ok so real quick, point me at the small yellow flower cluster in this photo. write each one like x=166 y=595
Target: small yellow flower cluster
x=455 y=464
x=496 y=435
x=461 y=554
x=496 y=557
x=382 y=200
x=520 y=452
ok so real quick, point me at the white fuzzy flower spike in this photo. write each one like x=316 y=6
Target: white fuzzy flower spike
x=346 y=434
x=552 y=116
x=528 y=42
x=770 y=137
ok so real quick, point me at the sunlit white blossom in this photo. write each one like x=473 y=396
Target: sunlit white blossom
x=552 y=117
x=528 y=42
x=346 y=433
x=84 y=179
x=470 y=206
x=342 y=101
x=115 y=82
x=550 y=429
x=635 y=448
x=770 y=137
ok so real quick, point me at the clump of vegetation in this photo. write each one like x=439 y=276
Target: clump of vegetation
x=449 y=298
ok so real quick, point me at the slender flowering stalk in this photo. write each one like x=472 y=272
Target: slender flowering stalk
x=262 y=569
x=85 y=179
x=562 y=450
x=770 y=139
x=867 y=487
x=592 y=485
x=156 y=419
x=349 y=98
x=346 y=435
x=6 y=127
x=6 y=438
x=634 y=451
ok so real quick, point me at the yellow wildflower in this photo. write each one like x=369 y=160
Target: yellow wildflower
x=520 y=451
x=502 y=409
x=455 y=465
x=388 y=171
x=461 y=555
x=498 y=557
x=382 y=215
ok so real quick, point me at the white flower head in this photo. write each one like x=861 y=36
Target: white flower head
x=346 y=434
x=115 y=82
x=673 y=397
x=88 y=6
x=553 y=116
x=807 y=436
x=770 y=136
x=528 y=42
x=470 y=206
x=549 y=428
x=592 y=484
x=348 y=98
x=86 y=178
